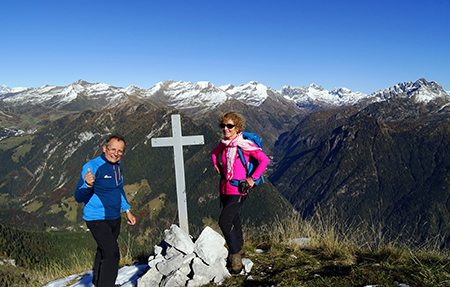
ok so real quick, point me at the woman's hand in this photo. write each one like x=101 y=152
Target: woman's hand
x=250 y=181
x=218 y=169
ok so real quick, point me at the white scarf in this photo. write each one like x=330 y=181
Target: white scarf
x=231 y=155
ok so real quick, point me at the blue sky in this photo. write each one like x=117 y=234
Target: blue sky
x=361 y=45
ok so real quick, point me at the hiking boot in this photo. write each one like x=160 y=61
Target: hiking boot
x=242 y=253
x=236 y=263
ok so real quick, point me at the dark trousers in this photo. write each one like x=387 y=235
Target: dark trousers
x=230 y=223
x=105 y=233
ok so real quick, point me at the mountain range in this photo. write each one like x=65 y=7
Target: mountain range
x=374 y=157
x=204 y=96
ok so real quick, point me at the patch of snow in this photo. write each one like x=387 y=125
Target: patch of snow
x=127 y=276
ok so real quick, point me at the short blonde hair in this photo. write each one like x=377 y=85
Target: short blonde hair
x=237 y=119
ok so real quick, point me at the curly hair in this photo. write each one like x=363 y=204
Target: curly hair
x=237 y=119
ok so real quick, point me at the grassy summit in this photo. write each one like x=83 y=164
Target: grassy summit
x=338 y=254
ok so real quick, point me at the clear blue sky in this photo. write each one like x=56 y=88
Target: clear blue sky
x=361 y=45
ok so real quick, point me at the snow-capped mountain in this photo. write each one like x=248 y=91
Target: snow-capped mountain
x=317 y=95
x=5 y=89
x=204 y=95
x=252 y=93
x=57 y=97
x=186 y=94
x=421 y=91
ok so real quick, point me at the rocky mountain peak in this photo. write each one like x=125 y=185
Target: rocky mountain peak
x=316 y=87
x=81 y=83
x=421 y=91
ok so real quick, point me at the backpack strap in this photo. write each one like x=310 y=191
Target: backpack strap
x=244 y=163
x=235 y=182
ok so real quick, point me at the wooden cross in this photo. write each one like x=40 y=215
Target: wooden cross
x=178 y=141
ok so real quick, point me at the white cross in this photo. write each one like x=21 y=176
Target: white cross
x=178 y=141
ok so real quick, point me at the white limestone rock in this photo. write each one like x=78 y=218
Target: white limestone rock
x=177 y=238
x=151 y=278
x=207 y=245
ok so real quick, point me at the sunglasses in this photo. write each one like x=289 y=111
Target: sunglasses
x=229 y=126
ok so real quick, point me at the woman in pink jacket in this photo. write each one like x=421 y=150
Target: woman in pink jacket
x=230 y=167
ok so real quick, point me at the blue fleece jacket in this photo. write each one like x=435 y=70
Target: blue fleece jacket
x=105 y=199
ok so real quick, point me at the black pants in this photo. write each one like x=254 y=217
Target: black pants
x=105 y=233
x=230 y=223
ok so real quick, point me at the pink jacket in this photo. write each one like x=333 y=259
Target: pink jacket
x=239 y=170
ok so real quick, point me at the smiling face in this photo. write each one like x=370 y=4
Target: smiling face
x=229 y=133
x=114 y=150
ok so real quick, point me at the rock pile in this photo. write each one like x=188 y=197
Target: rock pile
x=178 y=261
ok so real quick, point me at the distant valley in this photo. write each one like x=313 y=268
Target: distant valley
x=382 y=158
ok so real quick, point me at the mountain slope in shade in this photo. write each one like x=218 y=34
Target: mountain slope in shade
x=387 y=165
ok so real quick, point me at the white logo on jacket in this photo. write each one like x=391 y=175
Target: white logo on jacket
x=107 y=176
